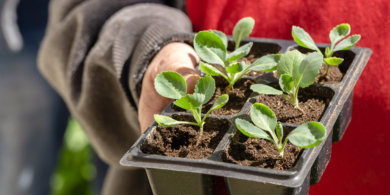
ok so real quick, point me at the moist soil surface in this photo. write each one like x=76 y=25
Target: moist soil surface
x=312 y=100
x=336 y=73
x=258 y=152
x=180 y=141
x=237 y=97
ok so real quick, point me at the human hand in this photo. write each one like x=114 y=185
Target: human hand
x=177 y=57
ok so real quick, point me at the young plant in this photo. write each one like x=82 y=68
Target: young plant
x=294 y=70
x=211 y=46
x=336 y=35
x=172 y=85
x=307 y=135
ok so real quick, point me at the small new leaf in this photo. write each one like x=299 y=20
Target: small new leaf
x=250 y=130
x=210 y=48
x=334 y=61
x=263 y=117
x=168 y=121
x=190 y=101
x=239 y=53
x=170 y=85
x=286 y=83
x=206 y=86
x=303 y=38
x=209 y=69
x=243 y=29
x=265 y=89
x=347 y=43
x=266 y=63
x=308 y=135
x=220 y=102
x=235 y=67
x=279 y=131
x=339 y=32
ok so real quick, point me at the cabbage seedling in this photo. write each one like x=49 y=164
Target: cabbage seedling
x=172 y=85
x=211 y=46
x=307 y=135
x=294 y=71
x=336 y=35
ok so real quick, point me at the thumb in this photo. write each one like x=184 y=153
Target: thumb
x=181 y=60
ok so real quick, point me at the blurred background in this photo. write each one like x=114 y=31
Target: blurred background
x=42 y=150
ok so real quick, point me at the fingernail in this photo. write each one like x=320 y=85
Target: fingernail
x=191 y=82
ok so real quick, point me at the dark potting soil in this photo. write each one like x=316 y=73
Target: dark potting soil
x=258 y=152
x=180 y=141
x=336 y=73
x=313 y=100
x=237 y=97
x=258 y=50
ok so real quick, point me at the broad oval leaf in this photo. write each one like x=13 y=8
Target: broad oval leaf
x=308 y=135
x=240 y=52
x=266 y=63
x=334 y=61
x=347 y=43
x=309 y=69
x=206 y=86
x=210 y=48
x=286 y=83
x=289 y=63
x=170 y=85
x=339 y=32
x=263 y=117
x=222 y=36
x=243 y=29
x=166 y=121
x=279 y=131
x=209 y=69
x=235 y=67
x=303 y=38
x=190 y=101
x=220 y=102
x=250 y=130
x=265 y=89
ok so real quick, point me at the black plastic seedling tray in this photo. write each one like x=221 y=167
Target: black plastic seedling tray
x=172 y=175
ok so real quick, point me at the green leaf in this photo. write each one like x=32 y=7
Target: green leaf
x=334 y=61
x=308 y=135
x=206 y=86
x=209 y=69
x=210 y=48
x=309 y=69
x=286 y=83
x=339 y=32
x=190 y=101
x=327 y=52
x=170 y=85
x=220 y=102
x=303 y=38
x=289 y=63
x=243 y=29
x=279 y=131
x=265 y=89
x=266 y=63
x=222 y=36
x=240 y=52
x=347 y=43
x=235 y=67
x=250 y=130
x=263 y=117
x=169 y=122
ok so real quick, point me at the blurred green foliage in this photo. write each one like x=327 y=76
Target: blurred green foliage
x=75 y=169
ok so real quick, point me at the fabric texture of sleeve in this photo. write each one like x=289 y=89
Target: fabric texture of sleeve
x=95 y=64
